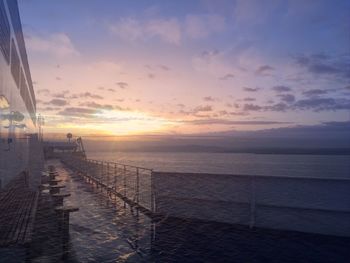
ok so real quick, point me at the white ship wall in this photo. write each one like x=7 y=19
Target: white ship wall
x=311 y=205
x=14 y=142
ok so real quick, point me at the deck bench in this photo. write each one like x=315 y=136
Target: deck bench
x=54 y=182
x=18 y=204
x=63 y=218
x=52 y=175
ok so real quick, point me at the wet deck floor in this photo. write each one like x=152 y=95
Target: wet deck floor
x=103 y=230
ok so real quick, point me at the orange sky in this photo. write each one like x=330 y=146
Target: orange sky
x=184 y=68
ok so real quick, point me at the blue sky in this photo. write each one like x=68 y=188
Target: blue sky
x=129 y=67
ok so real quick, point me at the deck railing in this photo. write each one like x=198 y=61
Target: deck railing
x=131 y=183
x=316 y=205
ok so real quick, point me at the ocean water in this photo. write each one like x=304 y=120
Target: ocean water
x=324 y=166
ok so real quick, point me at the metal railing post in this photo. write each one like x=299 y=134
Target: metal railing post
x=124 y=185
x=137 y=186
x=115 y=181
x=152 y=194
x=107 y=183
x=101 y=179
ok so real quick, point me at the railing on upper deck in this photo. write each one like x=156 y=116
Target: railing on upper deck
x=131 y=183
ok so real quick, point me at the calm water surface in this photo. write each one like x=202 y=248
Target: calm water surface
x=235 y=163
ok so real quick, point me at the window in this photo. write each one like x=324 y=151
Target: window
x=15 y=63
x=5 y=34
x=23 y=87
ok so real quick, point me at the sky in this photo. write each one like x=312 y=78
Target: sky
x=118 y=67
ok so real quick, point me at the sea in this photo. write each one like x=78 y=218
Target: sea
x=324 y=166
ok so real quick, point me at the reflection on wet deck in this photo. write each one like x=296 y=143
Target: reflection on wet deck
x=104 y=229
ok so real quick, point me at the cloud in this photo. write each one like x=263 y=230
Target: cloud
x=197 y=110
x=289 y=98
x=57 y=44
x=166 y=29
x=227 y=76
x=86 y=95
x=324 y=65
x=58 y=102
x=238 y=113
x=322 y=104
x=315 y=92
x=281 y=88
x=151 y=76
x=249 y=99
x=122 y=85
x=251 y=89
x=253 y=12
x=209 y=98
x=163 y=67
x=111 y=90
x=205 y=108
x=61 y=94
x=201 y=26
x=92 y=104
x=278 y=107
x=232 y=113
x=49 y=109
x=41 y=91
x=315 y=104
x=264 y=70
x=215 y=63
x=230 y=122
x=130 y=29
x=78 y=112
x=252 y=107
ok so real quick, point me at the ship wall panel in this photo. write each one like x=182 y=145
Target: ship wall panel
x=312 y=205
x=14 y=155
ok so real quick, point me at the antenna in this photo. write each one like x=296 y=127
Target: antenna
x=69 y=136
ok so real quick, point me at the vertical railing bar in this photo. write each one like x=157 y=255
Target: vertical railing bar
x=115 y=180
x=124 y=185
x=152 y=194
x=107 y=175
x=137 y=186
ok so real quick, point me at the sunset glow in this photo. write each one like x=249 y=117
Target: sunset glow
x=165 y=67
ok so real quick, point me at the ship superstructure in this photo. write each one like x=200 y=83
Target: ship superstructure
x=17 y=97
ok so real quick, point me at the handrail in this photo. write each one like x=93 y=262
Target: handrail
x=132 y=184
x=126 y=165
